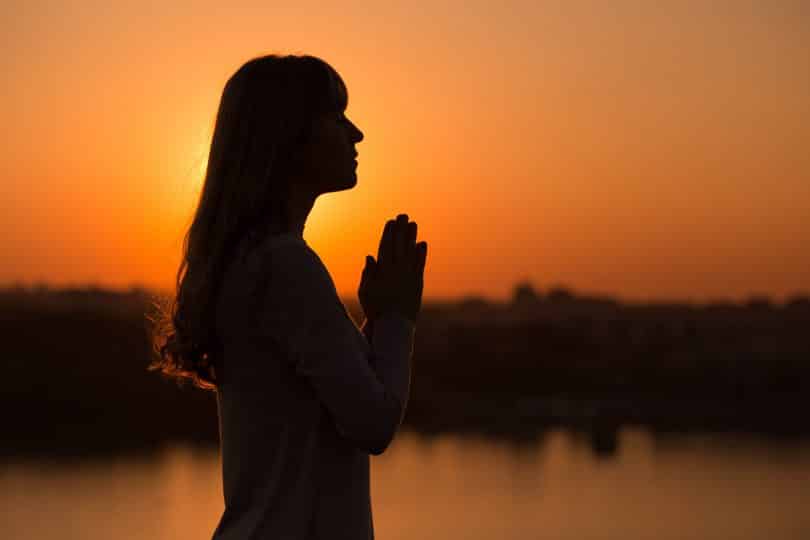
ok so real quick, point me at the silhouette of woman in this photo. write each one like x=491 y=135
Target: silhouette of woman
x=303 y=394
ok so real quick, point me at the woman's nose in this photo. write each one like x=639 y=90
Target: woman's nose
x=356 y=135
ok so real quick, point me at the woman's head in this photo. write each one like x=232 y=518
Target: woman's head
x=279 y=127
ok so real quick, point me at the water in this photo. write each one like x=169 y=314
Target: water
x=454 y=487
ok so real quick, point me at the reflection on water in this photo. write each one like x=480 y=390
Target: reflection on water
x=451 y=486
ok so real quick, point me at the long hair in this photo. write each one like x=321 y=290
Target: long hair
x=265 y=114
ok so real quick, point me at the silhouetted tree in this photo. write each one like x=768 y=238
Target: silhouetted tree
x=559 y=294
x=524 y=294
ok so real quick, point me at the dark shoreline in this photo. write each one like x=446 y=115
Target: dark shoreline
x=77 y=384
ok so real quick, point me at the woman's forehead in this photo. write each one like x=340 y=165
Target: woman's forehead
x=338 y=90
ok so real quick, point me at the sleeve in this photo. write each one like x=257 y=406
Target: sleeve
x=366 y=329
x=365 y=387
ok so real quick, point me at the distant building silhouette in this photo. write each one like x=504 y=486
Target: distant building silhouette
x=559 y=294
x=523 y=294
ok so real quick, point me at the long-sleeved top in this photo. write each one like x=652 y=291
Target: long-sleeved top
x=303 y=398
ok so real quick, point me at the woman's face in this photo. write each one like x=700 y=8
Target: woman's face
x=330 y=159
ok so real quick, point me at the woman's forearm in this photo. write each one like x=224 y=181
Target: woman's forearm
x=368 y=329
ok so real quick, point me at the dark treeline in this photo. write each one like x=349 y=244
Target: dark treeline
x=592 y=362
x=76 y=379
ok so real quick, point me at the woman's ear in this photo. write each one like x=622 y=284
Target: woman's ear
x=300 y=150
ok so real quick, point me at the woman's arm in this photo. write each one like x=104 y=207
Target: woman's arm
x=368 y=329
x=302 y=309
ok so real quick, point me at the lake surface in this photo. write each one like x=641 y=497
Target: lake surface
x=452 y=487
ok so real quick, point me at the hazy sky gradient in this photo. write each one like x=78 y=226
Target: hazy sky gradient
x=640 y=149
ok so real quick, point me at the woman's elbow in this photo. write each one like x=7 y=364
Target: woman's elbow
x=380 y=446
x=377 y=436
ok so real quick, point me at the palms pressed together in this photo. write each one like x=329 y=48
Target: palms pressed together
x=394 y=281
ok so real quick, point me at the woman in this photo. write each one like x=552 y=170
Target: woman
x=304 y=395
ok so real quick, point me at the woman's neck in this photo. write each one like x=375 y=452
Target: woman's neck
x=299 y=205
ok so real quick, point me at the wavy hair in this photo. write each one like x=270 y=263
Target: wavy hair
x=265 y=114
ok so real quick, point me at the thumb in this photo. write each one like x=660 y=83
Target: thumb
x=371 y=264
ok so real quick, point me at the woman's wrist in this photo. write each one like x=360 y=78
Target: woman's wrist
x=368 y=328
x=369 y=322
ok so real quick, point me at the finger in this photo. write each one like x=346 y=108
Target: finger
x=410 y=243
x=369 y=266
x=400 y=237
x=384 y=252
x=422 y=256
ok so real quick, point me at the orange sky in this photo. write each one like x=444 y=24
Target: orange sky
x=642 y=150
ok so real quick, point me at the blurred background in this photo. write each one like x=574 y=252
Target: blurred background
x=615 y=336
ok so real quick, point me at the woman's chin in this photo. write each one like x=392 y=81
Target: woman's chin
x=347 y=183
x=352 y=179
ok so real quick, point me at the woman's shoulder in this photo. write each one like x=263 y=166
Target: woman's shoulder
x=286 y=252
x=281 y=270
x=254 y=261
x=287 y=263
x=256 y=255
x=276 y=240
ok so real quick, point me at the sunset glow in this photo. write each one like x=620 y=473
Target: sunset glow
x=636 y=149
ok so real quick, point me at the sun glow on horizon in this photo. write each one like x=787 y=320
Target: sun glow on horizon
x=645 y=151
